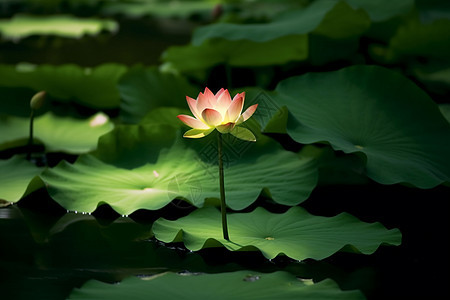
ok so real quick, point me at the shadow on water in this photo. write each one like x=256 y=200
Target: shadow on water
x=46 y=251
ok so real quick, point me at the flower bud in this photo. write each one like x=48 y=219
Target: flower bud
x=37 y=100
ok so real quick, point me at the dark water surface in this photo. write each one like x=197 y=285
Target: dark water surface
x=45 y=252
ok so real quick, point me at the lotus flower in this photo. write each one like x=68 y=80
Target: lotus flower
x=218 y=112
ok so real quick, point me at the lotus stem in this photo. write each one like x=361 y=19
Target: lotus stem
x=30 y=137
x=36 y=102
x=223 y=205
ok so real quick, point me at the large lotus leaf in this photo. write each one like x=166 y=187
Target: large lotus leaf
x=295 y=233
x=21 y=26
x=57 y=133
x=383 y=10
x=178 y=172
x=133 y=145
x=236 y=53
x=159 y=8
x=331 y=18
x=445 y=110
x=143 y=89
x=93 y=87
x=130 y=146
x=254 y=44
x=417 y=39
x=239 y=285
x=435 y=76
x=16 y=178
x=377 y=112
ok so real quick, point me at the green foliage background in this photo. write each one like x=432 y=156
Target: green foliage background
x=353 y=119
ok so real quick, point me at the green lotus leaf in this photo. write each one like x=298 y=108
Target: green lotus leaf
x=143 y=89
x=317 y=16
x=57 y=133
x=295 y=233
x=374 y=111
x=236 y=53
x=131 y=146
x=246 y=285
x=383 y=10
x=417 y=39
x=159 y=8
x=254 y=44
x=92 y=87
x=334 y=169
x=434 y=76
x=178 y=172
x=445 y=110
x=21 y=26
x=18 y=178
x=414 y=39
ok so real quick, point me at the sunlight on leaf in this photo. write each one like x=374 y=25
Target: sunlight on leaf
x=244 y=284
x=16 y=178
x=225 y=286
x=178 y=172
x=21 y=26
x=377 y=112
x=57 y=133
x=159 y=8
x=295 y=233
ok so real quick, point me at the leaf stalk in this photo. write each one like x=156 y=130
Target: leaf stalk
x=223 y=205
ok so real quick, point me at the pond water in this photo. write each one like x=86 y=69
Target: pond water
x=46 y=252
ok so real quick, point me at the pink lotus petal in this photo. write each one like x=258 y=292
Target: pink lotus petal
x=212 y=117
x=239 y=95
x=219 y=93
x=205 y=100
x=225 y=128
x=223 y=102
x=235 y=108
x=247 y=114
x=197 y=133
x=192 y=122
x=192 y=103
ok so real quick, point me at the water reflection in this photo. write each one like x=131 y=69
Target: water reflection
x=46 y=255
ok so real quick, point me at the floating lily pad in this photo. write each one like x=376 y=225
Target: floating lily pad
x=376 y=112
x=227 y=286
x=57 y=133
x=18 y=178
x=295 y=233
x=21 y=26
x=93 y=87
x=178 y=172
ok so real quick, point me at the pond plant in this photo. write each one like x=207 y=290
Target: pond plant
x=35 y=103
x=332 y=153
x=219 y=112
